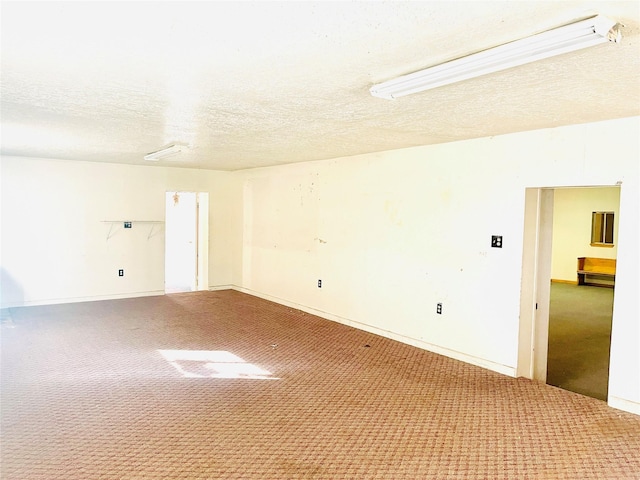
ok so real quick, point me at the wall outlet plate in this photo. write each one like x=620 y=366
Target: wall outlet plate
x=496 y=241
x=127 y=224
x=121 y=273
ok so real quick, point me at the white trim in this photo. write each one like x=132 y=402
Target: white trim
x=215 y=288
x=625 y=405
x=95 y=298
x=479 y=362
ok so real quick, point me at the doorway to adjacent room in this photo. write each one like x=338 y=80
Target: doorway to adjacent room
x=186 y=241
x=565 y=334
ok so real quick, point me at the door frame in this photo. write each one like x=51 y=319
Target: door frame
x=201 y=239
x=535 y=290
x=535 y=295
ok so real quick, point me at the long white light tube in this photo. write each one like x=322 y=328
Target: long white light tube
x=164 y=153
x=569 y=38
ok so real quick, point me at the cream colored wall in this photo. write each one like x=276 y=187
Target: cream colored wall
x=55 y=246
x=389 y=234
x=392 y=234
x=572 y=227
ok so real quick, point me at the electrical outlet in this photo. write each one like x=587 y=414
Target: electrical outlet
x=121 y=273
x=127 y=224
x=496 y=241
x=319 y=283
x=439 y=309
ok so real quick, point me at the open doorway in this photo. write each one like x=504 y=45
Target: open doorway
x=186 y=241
x=580 y=312
x=565 y=328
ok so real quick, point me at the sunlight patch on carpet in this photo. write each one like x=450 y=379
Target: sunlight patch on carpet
x=213 y=364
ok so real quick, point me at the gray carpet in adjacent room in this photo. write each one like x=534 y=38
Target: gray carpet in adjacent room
x=580 y=338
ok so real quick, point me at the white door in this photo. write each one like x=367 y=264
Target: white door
x=181 y=242
x=535 y=287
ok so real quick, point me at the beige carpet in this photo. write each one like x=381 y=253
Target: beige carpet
x=222 y=385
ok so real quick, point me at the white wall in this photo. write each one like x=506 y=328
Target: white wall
x=572 y=227
x=392 y=234
x=389 y=234
x=55 y=246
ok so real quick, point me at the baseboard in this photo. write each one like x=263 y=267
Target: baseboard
x=625 y=405
x=215 y=288
x=479 y=362
x=570 y=282
x=93 y=298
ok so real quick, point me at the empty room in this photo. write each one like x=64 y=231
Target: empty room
x=319 y=240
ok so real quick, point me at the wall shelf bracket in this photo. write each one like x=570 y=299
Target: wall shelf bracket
x=154 y=230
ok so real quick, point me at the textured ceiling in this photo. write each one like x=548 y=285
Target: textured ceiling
x=250 y=84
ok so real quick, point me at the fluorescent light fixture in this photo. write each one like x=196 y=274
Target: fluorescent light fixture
x=164 y=153
x=569 y=38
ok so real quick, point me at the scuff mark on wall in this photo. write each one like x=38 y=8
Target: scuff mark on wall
x=392 y=211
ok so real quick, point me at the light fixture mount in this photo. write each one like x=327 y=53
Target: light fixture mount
x=575 y=36
x=169 y=151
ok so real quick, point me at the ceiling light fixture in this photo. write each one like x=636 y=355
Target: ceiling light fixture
x=569 y=38
x=164 y=153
